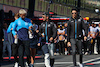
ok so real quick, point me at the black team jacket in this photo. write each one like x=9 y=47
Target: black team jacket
x=51 y=30
x=81 y=25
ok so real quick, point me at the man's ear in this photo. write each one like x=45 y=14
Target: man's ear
x=47 y=17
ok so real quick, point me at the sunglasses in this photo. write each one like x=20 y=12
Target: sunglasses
x=43 y=17
x=74 y=13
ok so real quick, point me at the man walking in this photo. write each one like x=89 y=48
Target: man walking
x=22 y=24
x=74 y=32
x=48 y=31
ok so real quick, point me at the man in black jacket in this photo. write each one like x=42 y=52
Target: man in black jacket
x=75 y=26
x=48 y=32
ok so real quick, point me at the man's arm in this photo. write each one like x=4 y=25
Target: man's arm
x=54 y=31
x=68 y=32
x=14 y=28
x=9 y=28
x=85 y=27
x=40 y=31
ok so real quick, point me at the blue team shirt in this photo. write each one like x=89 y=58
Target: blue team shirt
x=22 y=27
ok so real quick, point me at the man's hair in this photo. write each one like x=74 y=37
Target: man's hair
x=46 y=14
x=74 y=9
x=16 y=15
x=22 y=11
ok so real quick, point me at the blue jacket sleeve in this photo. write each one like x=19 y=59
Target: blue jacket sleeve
x=14 y=28
x=30 y=24
x=39 y=40
x=9 y=28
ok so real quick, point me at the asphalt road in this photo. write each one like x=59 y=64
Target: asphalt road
x=61 y=61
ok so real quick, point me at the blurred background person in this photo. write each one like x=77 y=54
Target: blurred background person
x=33 y=42
x=6 y=42
x=61 y=38
x=12 y=40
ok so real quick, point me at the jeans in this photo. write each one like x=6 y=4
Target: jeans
x=48 y=50
x=8 y=45
x=78 y=43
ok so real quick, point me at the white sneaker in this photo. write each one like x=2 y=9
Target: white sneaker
x=66 y=53
x=96 y=53
x=81 y=65
x=16 y=64
x=57 y=54
x=26 y=64
x=86 y=53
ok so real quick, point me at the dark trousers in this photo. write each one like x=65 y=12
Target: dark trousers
x=1 y=49
x=98 y=44
x=76 y=43
x=23 y=46
x=92 y=46
x=87 y=45
x=15 y=51
x=61 y=47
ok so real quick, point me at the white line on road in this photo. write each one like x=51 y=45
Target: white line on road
x=89 y=61
x=77 y=62
x=58 y=63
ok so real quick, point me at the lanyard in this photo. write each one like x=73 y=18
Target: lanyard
x=46 y=32
x=75 y=29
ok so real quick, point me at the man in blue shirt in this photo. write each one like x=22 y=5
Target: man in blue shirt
x=22 y=24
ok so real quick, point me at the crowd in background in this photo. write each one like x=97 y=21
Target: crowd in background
x=90 y=46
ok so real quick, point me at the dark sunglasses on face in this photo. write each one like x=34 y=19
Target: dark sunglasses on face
x=43 y=17
x=74 y=13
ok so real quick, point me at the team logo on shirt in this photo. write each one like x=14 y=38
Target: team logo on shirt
x=49 y=25
x=26 y=23
x=19 y=23
x=79 y=20
x=72 y=21
x=43 y=25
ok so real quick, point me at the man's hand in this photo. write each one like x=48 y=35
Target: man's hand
x=85 y=38
x=15 y=36
x=30 y=27
x=65 y=34
x=2 y=39
x=11 y=28
x=69 y=44
x=37 y=31
x=42 y=35
x=38 y=44
x=51 y=39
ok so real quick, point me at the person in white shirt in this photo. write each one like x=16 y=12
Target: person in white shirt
x=61 y=38
x=92 y=33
